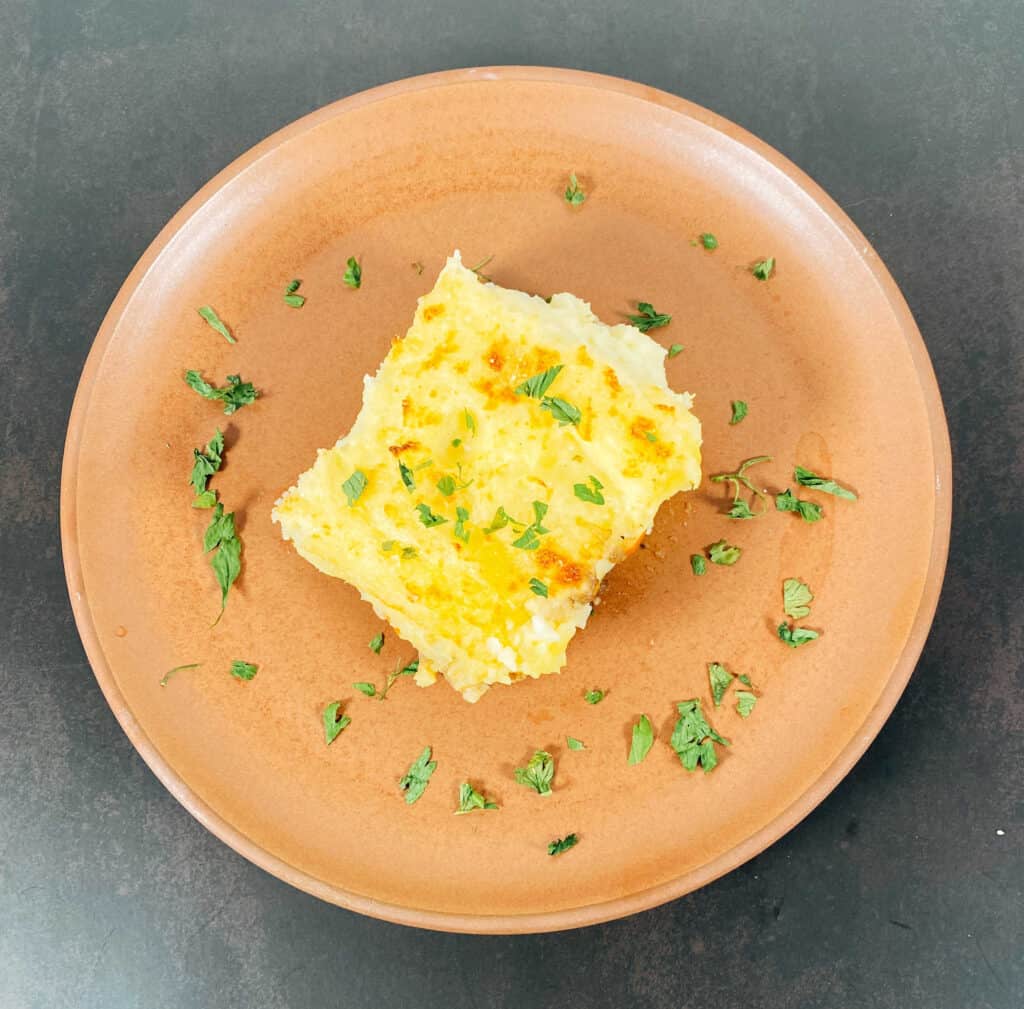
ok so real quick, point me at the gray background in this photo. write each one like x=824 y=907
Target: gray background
x=898 y=891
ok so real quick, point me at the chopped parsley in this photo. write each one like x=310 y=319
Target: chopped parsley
x=213 y=320
x=538 y=773
x=227 y=561
x=500 y=520
x=643 y=740
x=594 y=696
x=537 y=385
x=334 y=722
x=796 y=598
x=722 y=553
x=354 y=486
x=377 y=642
x=738 y=480
x=461 y=518
x=369 y=690
x=456 y=442
x=469 y=420
x=806 y=478
x=565 y=413
x=563 y=844
x=243 y=670
x=648 y=318
x=574 y=196
x=796 y=636
x=650 y=436
x=719 y=677
x=446 y=485
x=698 y=564
x=479 y=267
x=589 y=491
x=177 y=669
x=763 y=268
x=470 y=799
x=234 y=395
x=414 y=782
x=676 y=348
x=575 y=744
x=292 y=299
x=739 y=411
x=428 y=518
x=708 y=240
x=745 y=701
x=353 y=273
x=206 y=462
x=693 y=739
x=530 y=538
x=407 y=478
x=538 y=588
x=807 y=510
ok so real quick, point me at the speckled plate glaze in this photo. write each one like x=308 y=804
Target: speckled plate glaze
x=825 y=352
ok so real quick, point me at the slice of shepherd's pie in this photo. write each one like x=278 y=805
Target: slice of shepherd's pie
x=509 y=452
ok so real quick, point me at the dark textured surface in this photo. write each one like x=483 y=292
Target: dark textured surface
x=903 y=889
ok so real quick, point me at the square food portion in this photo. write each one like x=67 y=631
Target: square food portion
x=509 y=452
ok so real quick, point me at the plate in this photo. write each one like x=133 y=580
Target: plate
x=825 y=352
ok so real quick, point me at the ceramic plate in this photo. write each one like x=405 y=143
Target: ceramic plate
x=825 y=352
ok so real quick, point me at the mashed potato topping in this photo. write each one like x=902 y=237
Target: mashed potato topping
x=509 y=452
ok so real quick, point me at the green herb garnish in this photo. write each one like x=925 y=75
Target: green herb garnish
x=446 y=485
x=796 y=636
x=369 y=690
x=353 y=273
x=414 y=782
x=227 y=561
x=470 y=799
x=206 y=462
x=243 y=670
x=212 y=319
x=354 y=486
x=575 y=744
x=407 y=478
x=428 y=518
x=538 y=773
x=594 y=696
x=469 y=420
x=563 y=844
x=745 y=702
x=589 y=491
x=740 y=509
x=763 y=268
x=500 y=520
x=530 y=538
x=807 y=510
x=719 y=678
x=537 y=385
x=574 y=196
x=796 y=598
x=292 y=299
x=722 y=553
x=565 y=413
x=676 y=348
x=739 y=411
x=693 y=739
x=234 y=395
x=648 y=318
x=377 y=642
x=177 y=669
x=334 y=722
x=461 y=518
x=538 y=588
x=698 y=564
x=478 y=269
x=708 y=240
x=643 y=740
x=806 y=478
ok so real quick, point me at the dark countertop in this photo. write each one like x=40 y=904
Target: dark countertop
x=904 y=888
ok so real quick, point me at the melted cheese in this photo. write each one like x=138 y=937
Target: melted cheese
x=444 y=411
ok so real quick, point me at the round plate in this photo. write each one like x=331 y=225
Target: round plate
x=825 y=352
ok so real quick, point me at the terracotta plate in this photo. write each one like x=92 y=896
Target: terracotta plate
x=825 y=352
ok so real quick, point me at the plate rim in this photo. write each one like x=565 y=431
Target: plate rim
x=589 y=914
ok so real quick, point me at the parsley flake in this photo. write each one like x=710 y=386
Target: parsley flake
x=745 y=701
x=407 y=478
x=806 y=478
x=574 y=196
x=594 y=696
x=353 y=273
x=648 y=318
x=538 y=773
x=562 y=844
x=693 y=739
x=377 y=642
x=589 y=491
x=643 y=740
x=470 y=799
x=796 y=636
x=354 y=487
x=575 y=744
x=739 y=411
x=796 y=598
x=212 y=319
x=676 y=348
x=807 y=510
x=369 y=690
x=738 y=480
x=698 y=564
x=461 y=518
x=538 y=588
x=537 y=385
x=291 y=299
x=469 y=420
x=414 y=782
x=243 y=670
x=177 y=669
x=763 y=268
x=366 y=689
x=565 y=413
x=234 y=395
x=428 y=518
x=722 y=553
x=530 y=538
x=446 y=485
x=719 y=678
x=221 y=537
x=708 y=241
x=500 y=520
x=334 y=722
x=206 y=462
